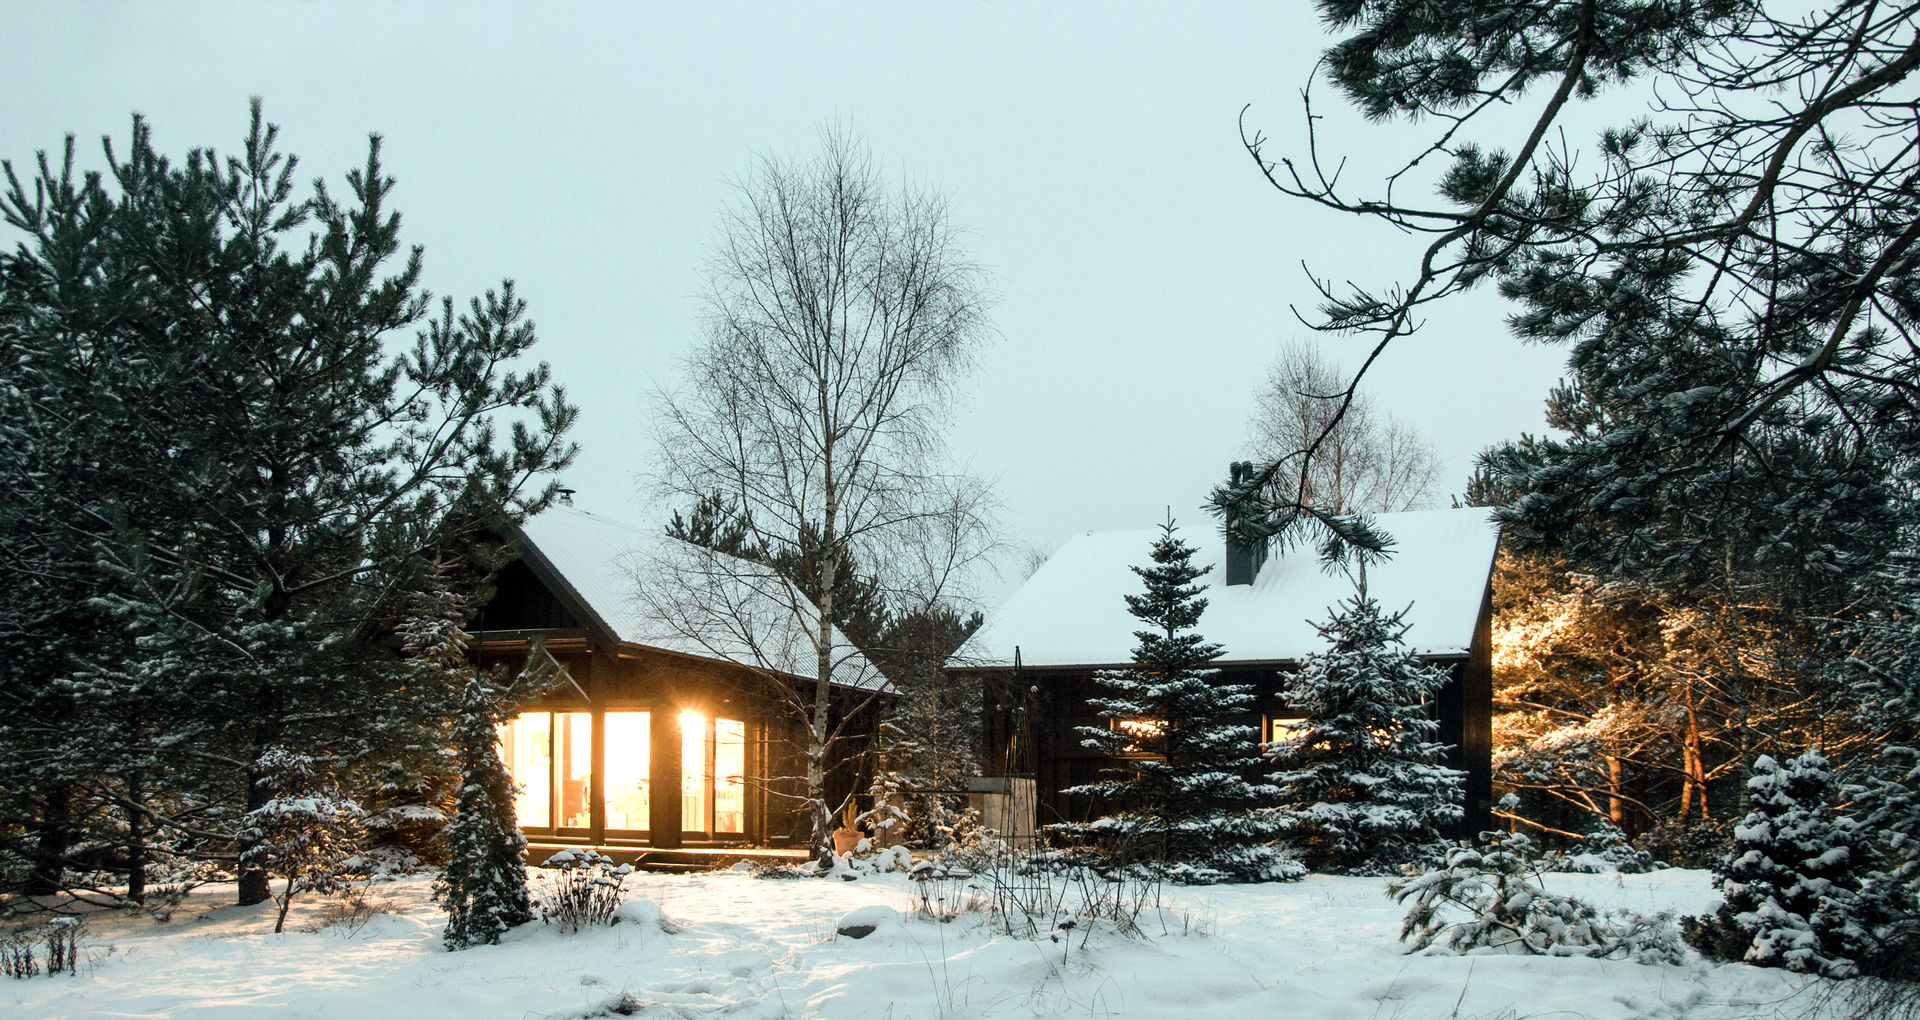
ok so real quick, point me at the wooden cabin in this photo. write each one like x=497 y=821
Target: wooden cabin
x=666 y=722
x=1037 y=655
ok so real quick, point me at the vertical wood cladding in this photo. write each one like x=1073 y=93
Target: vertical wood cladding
x=1033 y=721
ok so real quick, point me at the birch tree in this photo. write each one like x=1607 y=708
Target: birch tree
x=1366 y=461
x=841 y=312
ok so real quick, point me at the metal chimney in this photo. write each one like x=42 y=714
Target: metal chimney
x=1243 y=560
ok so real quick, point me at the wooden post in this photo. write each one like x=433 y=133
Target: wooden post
x=663 y=749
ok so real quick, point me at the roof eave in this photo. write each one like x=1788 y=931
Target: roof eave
x=1065 y=667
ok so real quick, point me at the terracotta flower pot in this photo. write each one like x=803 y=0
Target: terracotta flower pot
x=845 y=840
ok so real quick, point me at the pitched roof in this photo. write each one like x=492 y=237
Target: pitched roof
x=640 y=587
x=1072 y=611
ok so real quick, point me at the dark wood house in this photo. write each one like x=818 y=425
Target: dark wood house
x=1037 y=654
x=664 y=725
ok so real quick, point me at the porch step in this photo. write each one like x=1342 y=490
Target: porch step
x=675 y=861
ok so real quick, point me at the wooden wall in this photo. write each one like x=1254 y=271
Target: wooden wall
x=1033 y=719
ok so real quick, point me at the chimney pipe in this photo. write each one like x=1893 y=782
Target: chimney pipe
x=1243 y=561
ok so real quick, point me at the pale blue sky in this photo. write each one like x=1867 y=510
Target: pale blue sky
x=1144 y=269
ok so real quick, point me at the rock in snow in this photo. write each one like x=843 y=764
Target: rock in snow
x=859 y=924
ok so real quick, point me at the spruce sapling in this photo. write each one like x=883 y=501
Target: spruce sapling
x=1185 y=805
x=484 y=886
x=1363 y=784
x=1792 y=878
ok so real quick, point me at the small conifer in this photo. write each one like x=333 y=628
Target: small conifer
x=1363 y=783
x=1183 y=803
x=484 y=886
x=1791 y=881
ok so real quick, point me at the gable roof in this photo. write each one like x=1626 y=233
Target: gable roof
x=636 y=586
x=1072 y=611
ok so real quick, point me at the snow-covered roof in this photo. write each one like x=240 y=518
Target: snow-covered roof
x=1072 y=611
x=646 y=589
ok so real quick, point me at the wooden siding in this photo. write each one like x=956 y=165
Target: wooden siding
x=1034 y=717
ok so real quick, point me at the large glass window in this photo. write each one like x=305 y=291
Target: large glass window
x=551 y=757
x=552 y=760
x=713 y=758
x=729 y=766
x=573 y=768
x=628 y=736
x=527 y=740
x=693 y=772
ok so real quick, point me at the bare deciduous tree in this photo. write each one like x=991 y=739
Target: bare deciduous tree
x=841 y=312
x=1366 y=461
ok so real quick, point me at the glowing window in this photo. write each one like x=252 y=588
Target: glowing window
x=1138 y=731
x=1281 y=727
x=694 y=776
x=713 y=762
x=729 y=768
x=527 y=740
x=573 y=768
x=628 y=753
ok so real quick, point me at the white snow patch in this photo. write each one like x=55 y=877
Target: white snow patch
x=757 y=949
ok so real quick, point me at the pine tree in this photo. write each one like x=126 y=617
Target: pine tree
x=408 y=769
x=1363 y=785
x=484 y=886
x=1792 y=880
x=227 y=461
x=1724 y=271
x=1182 y=801
x=1883 y=674
x=305 y=831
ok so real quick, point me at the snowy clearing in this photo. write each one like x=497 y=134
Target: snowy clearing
x=727 y=944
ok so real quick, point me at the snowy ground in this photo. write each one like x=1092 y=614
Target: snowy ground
x=730 y=945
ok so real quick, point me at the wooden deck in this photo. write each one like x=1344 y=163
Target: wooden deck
x=677 y=860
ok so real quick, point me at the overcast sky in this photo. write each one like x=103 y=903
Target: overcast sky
x=1144 y=271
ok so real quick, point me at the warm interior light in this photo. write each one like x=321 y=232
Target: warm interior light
x=1283 y=727
x=1139 y=732
x=628 y=757
x=529 y=757
x=693 y=772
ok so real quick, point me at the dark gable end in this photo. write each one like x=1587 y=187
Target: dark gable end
x=531 y=595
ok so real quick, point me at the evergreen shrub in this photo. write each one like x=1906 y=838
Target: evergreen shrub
x=1490 y=897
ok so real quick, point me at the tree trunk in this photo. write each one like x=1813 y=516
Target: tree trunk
x=817 y=795
x=254 y=881
x=1694 y=773
x=136 y=839
x=1616 y=804
x=285 y=903
x=53 y=835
